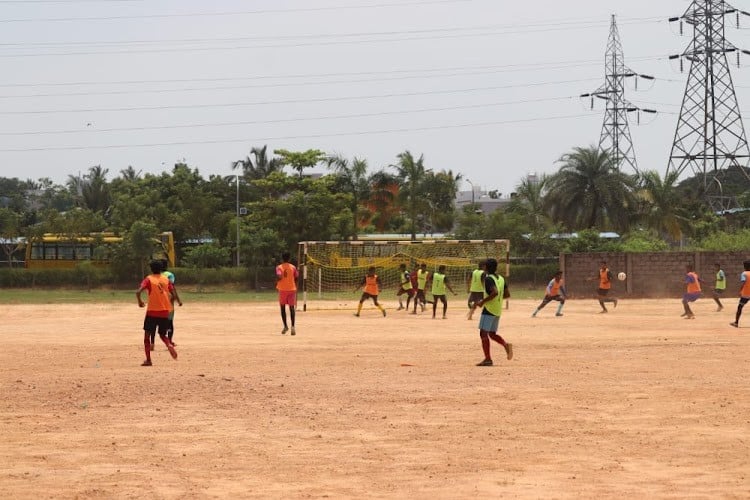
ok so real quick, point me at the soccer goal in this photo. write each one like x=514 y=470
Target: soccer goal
x=332 y=270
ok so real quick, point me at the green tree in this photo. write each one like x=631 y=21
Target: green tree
x=10 y=231
x=661 y=207
x=440 y=189
x=92 y=190
x=300 y=160
x=590 y=192
x=411 y=175
x=351 y=177
x=259 y=166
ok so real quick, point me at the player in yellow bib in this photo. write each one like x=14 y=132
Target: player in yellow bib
x=404 y=287
x=719 y=287
x=372 y=285
x=422 y=276
x=495 y=290
x=476 y=287
x=439 y=283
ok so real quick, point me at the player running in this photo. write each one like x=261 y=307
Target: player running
x=744 y=292
x=719 y=287
x=692 y=291
x=160 y=300
x=605 y=284
x=372 y=285
x=286 y=284
x=405 y=286
x=492 y=309
x=175 y=298
x=555 y=291
x=420 y=298
x=439 y=283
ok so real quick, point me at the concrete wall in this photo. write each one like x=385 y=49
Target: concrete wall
x=659 y=274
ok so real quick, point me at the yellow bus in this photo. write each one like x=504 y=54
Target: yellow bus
x=61 y=251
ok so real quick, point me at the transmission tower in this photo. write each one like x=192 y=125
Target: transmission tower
x=615 y=136
x=710 y=137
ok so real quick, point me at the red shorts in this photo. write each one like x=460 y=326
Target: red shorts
x=288 y=298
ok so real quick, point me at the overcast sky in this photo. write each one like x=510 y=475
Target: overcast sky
x=486 y=88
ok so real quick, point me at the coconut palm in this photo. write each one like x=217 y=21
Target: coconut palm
x=351 y=176
x=661 y=205
x=590 y=192
x=259 y=166
x=411 y=176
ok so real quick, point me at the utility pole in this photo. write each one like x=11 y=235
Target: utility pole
x=615 y=136
x=710 y=137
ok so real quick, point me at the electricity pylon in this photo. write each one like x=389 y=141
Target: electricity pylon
x=710 y=137
x=615 y=136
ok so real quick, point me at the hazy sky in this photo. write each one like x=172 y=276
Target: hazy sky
x=486 y=88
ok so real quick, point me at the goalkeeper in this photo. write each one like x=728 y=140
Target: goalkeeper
x=372 y=285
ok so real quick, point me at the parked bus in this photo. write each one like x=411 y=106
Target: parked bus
x=60 y=251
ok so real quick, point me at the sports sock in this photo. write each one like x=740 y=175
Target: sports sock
x=283 y=315
x=559 y=307
x=359 y=308
x=291 y=314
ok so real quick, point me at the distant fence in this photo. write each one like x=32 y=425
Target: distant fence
x=652 y=274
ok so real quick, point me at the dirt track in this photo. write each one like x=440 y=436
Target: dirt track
x=635 y=403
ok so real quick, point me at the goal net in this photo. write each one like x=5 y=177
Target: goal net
x=332 y=270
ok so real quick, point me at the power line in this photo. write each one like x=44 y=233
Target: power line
x=244 y=87
x=282 y=120
x=278 y=45
x=492 y=27
x=312 y=136
x=287 y=101
x=307 y=76
x=233 y=13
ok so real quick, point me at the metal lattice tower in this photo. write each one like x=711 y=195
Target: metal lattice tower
x=710 y=137
x=615 y=136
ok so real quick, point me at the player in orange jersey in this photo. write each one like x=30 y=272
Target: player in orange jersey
x=605 y=284
x=286 y=284
x=555 y=291
x=692 y=291
x=744 y=292
x=160 y=300
x=372 y=285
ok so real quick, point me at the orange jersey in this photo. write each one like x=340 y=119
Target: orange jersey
x=554 y=286
x=693 y=285
x=286 y=275
x=159 y=295
x=745 y=279
x=604 y=282
x=371 y=285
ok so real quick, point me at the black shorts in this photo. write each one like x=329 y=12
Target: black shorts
x=366 y=296
x=151 y=324
x=602 y=292
x=476 y=296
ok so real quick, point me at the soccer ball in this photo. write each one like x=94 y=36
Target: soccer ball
x=622 y=276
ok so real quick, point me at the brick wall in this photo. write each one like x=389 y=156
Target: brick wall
x=658 y=274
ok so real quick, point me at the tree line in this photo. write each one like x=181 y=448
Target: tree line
x=281 y=206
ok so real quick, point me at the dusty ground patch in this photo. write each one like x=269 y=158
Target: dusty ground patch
x=635 y=403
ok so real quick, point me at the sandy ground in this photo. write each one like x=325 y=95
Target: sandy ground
x=636 y=403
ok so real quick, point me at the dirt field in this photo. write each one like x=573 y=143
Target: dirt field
x=636 y=403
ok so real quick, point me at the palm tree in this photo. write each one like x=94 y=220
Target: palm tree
x=92 y=190
x=260 y=166
x=352 y=177
x=661 y=204
x=411 y=175
x=590 y=192
x=529 y=201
